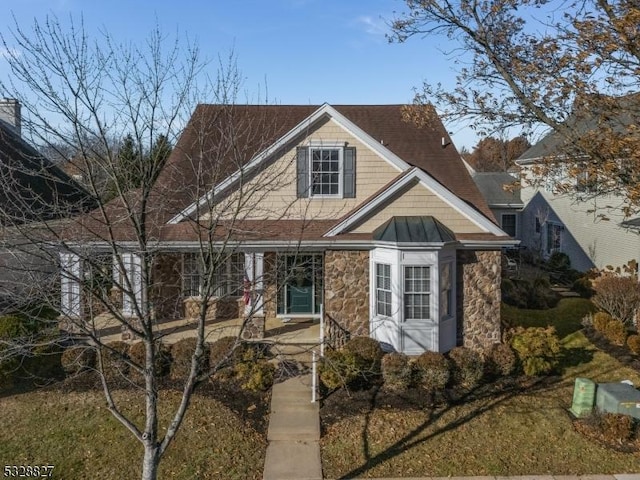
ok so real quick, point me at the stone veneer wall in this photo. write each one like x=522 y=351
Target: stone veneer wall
x=478 y=298
x=346 y=295
x=166 y=287
x=270 y=289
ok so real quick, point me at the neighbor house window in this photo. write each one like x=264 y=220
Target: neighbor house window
x=509 y=224
x=417 y=288
x=326 y=171
x=554 y=237
x=383 y=289
x=538 y=225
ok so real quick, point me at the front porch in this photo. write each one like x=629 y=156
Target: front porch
x=301 y=332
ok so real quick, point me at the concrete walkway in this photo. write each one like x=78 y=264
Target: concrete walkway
x=293 y=452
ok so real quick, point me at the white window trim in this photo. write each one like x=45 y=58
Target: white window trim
x=327 y=146
x=430 y=279
x=552 y=225
x=390 y=290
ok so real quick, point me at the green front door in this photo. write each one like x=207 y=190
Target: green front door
x=303 y=278
x=300 y=288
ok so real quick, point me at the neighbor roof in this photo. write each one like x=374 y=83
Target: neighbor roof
x=31 y=187
x=616 y=113
x=499 y=188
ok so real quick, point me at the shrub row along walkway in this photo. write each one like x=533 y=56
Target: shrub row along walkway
x=293 y=452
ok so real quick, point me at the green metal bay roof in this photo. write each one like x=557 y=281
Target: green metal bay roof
x=413 y=229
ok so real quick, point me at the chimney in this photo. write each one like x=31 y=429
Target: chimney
x=10 y=113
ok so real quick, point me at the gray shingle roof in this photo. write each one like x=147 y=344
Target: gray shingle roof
x=492 y=186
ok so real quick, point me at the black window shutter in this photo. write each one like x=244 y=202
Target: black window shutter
x=349 y=173
x=303 y=172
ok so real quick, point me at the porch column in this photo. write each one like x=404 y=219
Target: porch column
x=254 y=270
x=132 y=291
x=254 y=296
x=70 y=277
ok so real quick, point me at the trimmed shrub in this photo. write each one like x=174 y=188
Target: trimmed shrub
x=114 y=359
x=255 y=375
x=432 y=371
x=338 y=369
x=467 y=367
x=633 y=342
x=396 y=371
x=181 y=353
x=618 y=296
x=368 y=354
x=601 y=321
x=78 y=358
x=500 y=360
x=537 y=349
x=616 y=332
x=162 y=359
x=225 y=352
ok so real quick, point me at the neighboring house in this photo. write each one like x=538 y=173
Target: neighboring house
x=589 y=227
x=501 y=190
x=31 y=189
x=365 y=223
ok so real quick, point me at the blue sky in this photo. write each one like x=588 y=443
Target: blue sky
x=299 y=51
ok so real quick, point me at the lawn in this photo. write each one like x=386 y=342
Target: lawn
x=516 y=431
x=75 y=432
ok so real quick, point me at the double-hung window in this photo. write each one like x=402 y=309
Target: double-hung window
x=191 y=274
x=326 y=170
x=383 y=289
x=417 y=292
x=228 y=278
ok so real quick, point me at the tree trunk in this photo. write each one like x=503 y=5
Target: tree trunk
x=150 y=462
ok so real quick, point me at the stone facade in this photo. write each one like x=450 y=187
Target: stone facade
x=270 y=288
x=224 y=308
x=478 y=298
x=166 y=287
x=346 y=295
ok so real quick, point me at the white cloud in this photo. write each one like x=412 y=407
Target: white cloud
x=371 y=25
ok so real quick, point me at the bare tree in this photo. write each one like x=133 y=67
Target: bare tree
x=80 y=95
x=569 y=66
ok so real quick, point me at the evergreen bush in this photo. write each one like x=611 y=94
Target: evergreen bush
x=396 y=371
x=432 y=371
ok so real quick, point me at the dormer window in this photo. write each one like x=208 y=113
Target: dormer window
x=326 y=170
